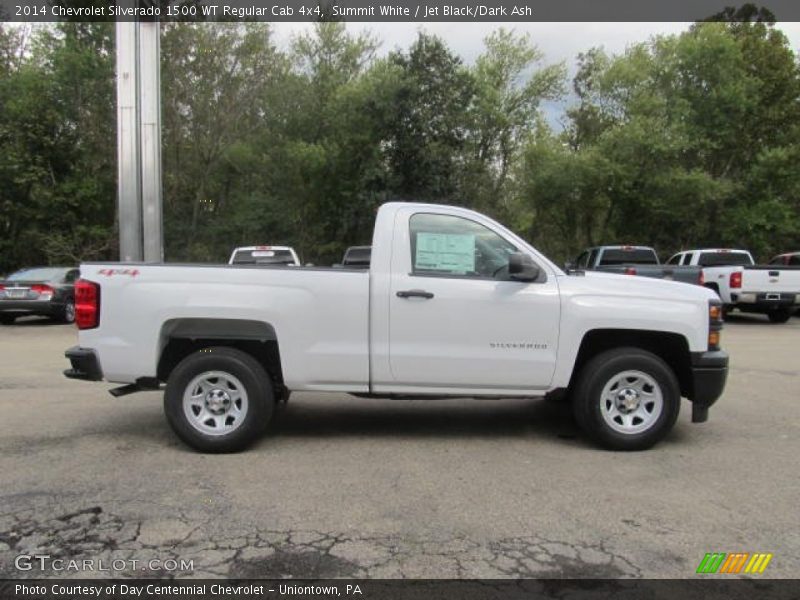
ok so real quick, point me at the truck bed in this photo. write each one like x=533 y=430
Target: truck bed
x=324 y=311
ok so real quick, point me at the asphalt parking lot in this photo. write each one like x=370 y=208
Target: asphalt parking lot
x=351 y=487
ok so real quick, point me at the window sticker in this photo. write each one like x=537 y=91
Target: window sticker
x=452 y=252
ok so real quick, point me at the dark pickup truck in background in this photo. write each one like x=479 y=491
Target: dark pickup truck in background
x=355 y=257
x=633 y=260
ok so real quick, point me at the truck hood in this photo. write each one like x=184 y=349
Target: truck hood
x=632 y=286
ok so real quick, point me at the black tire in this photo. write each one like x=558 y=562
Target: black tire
x=7 y=319
x=780 y=315
x=67 y=314
x=587 y=402
x=243 y=367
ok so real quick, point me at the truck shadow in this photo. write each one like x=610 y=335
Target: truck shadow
x=425 y=419
x=23 y=322
x=737 y=318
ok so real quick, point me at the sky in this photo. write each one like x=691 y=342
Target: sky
x=558 y=41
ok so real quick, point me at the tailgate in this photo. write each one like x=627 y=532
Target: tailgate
x=771 y=279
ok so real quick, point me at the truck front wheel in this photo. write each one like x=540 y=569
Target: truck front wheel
x=626 y=399
x=219 y=399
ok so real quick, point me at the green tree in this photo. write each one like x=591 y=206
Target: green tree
x=213 y=82
x=688 y=140
x=509 y=84
x=429 y=134
x=57 y=170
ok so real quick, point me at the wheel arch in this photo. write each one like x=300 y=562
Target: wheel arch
x=672 y=348
x=181 y=337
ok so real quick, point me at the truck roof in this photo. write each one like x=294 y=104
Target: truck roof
x=720 y=250
x=239 y=248
x=622 y=247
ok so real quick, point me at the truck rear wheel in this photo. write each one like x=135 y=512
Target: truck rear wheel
x=219 y=399
x=780 y=315
x=626 y=399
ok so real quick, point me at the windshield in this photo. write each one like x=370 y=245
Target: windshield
x=41 y=274
x=636 y=256
x=263 y=257
x=724 y=259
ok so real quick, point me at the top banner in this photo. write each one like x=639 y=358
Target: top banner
x=418 y=11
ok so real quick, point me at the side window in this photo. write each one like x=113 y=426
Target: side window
x=581 y=261
x=687 y=258
x=72 y=276
x=449 y=245
x=794 y=260
x=675 y=260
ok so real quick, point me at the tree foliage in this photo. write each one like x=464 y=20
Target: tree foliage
x=684 y=140
x=681 y=141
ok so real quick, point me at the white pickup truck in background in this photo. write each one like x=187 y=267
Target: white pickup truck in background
x=264 y=255
x=773 y=290
x=453 y=304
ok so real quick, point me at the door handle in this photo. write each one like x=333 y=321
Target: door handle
x=415 y=294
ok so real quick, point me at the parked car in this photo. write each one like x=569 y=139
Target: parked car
x=264 y=255
x=44 y=291
x=790 y=258
x=773 y=290
x=453 y=304
x=357 y=257
x=634 y=260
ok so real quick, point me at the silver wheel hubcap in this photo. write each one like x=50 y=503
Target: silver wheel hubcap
x=215 y=403
x=69 y=312
x=631 y=402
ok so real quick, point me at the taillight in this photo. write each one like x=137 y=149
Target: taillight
x=87 y=304
x=701 y=280
x=43 y=290
x=736 y=279
x=630 y=271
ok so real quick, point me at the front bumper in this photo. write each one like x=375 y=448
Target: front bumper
x=84 y=364
x=709 y=374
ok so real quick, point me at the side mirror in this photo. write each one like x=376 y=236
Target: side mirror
x=569 y=266
x=522 y=268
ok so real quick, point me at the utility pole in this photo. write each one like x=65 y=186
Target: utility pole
x=150 y=139
x=139 y=141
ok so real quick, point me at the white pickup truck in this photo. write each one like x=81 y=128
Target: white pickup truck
x=264 y=255
x=772 y=290
x=453 y=304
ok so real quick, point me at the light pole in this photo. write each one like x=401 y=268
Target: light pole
x=139 y=141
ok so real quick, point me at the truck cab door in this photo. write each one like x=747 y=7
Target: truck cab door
x=458 y=322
